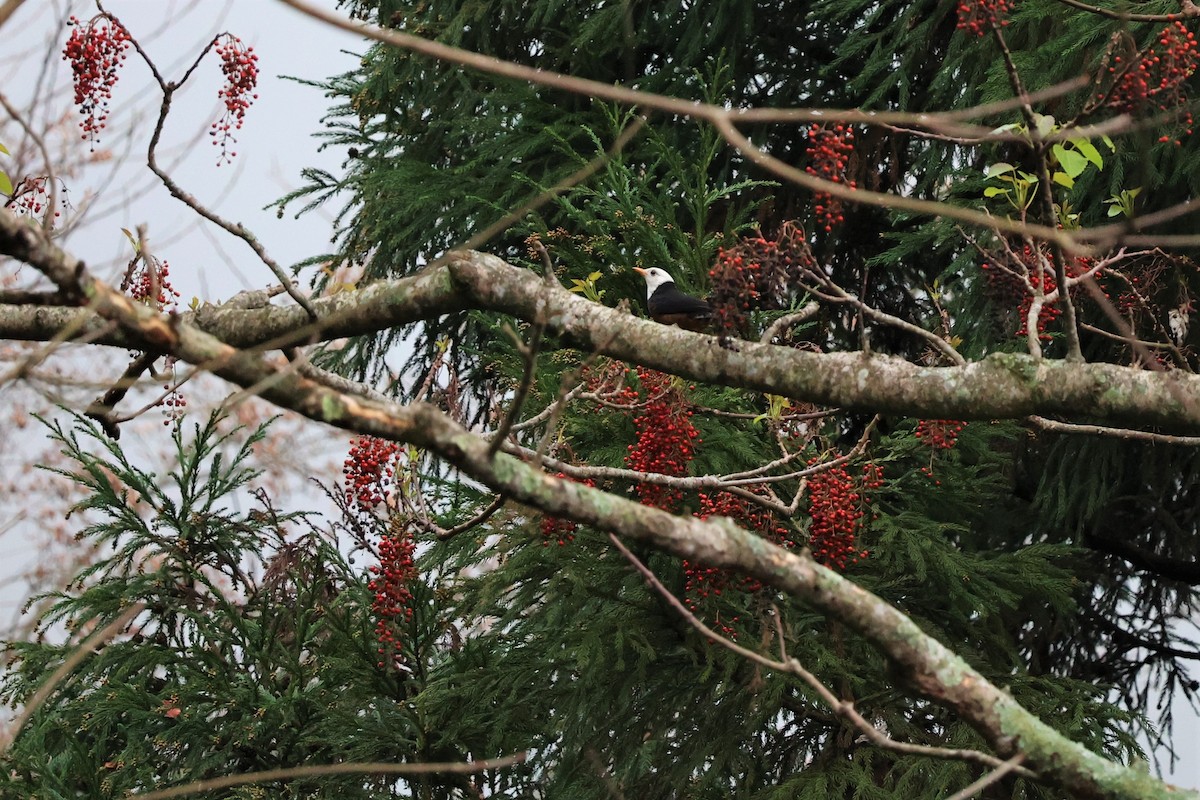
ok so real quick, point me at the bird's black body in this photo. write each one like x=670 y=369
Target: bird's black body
x=668 y=305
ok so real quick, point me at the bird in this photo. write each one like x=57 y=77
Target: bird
x=669 y=306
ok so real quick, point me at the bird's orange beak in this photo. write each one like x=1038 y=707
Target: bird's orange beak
x=640 y=271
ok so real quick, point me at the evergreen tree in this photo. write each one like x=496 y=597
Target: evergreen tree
x=484 y=628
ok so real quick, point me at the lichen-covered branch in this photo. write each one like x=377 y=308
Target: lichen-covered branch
x=1002 y=386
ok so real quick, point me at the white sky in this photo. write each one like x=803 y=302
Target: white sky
x=273 y=146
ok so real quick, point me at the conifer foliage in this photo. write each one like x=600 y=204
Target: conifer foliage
x=430 y=619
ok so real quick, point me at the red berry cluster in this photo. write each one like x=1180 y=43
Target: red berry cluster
x=141 y=280
x=240 y=65
x=666 y=438
x=837 y=505
x=30 y=196
x=757 y=273
x=368 y=470
x=978 y=17
x=1008 y=287
x=557 y=529
x=829 y=151
x=940 y=434
x=703 y=582
x=96 y=51
x=392 y=604
x=1157 y=80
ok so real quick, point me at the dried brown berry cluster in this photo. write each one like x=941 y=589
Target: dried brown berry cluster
x=1008 y=286
x=757 y=274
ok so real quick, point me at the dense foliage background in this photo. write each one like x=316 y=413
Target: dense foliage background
x=1060 y=566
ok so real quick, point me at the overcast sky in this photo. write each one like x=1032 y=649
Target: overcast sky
x=274 y=145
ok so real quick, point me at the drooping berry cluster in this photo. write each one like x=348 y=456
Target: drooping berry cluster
x=939 y=434
x=1019 y=285
x=1158 y=80
x=559 y=530
x=837 y=505
x=666 y=437
x=703 y=582
x=393 y=601
x=96 y=51
x=978 y=17
x=368 y=471
x=757 y=274
x=143 y=279
x=829 y=152
x=240 y=66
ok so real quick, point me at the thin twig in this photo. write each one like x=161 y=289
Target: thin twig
x=788 y=320
x=529 y=353
x=478 y=519
x=723 y=119
x=235 y=228
x=321 y=770
x=102 y=408
x=8 y=8
x=335 y=381
x=38 y=141
x=840 y=295
x=1046 y=194
x=1126 y=434
x=1187 y=10
x=988 y=779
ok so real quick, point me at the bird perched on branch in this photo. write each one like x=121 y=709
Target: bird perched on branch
x=670 y=306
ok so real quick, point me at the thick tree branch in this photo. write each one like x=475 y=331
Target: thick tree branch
x=1002 y=386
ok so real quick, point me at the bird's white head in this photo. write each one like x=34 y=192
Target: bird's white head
x=655 y=278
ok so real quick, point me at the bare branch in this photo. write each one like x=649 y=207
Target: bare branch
x=785 y=322
x=1113 y=433
x=321 y=770
x=529 y=354
x=1012 y=765
x=1187 y=10
x=8 y=8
